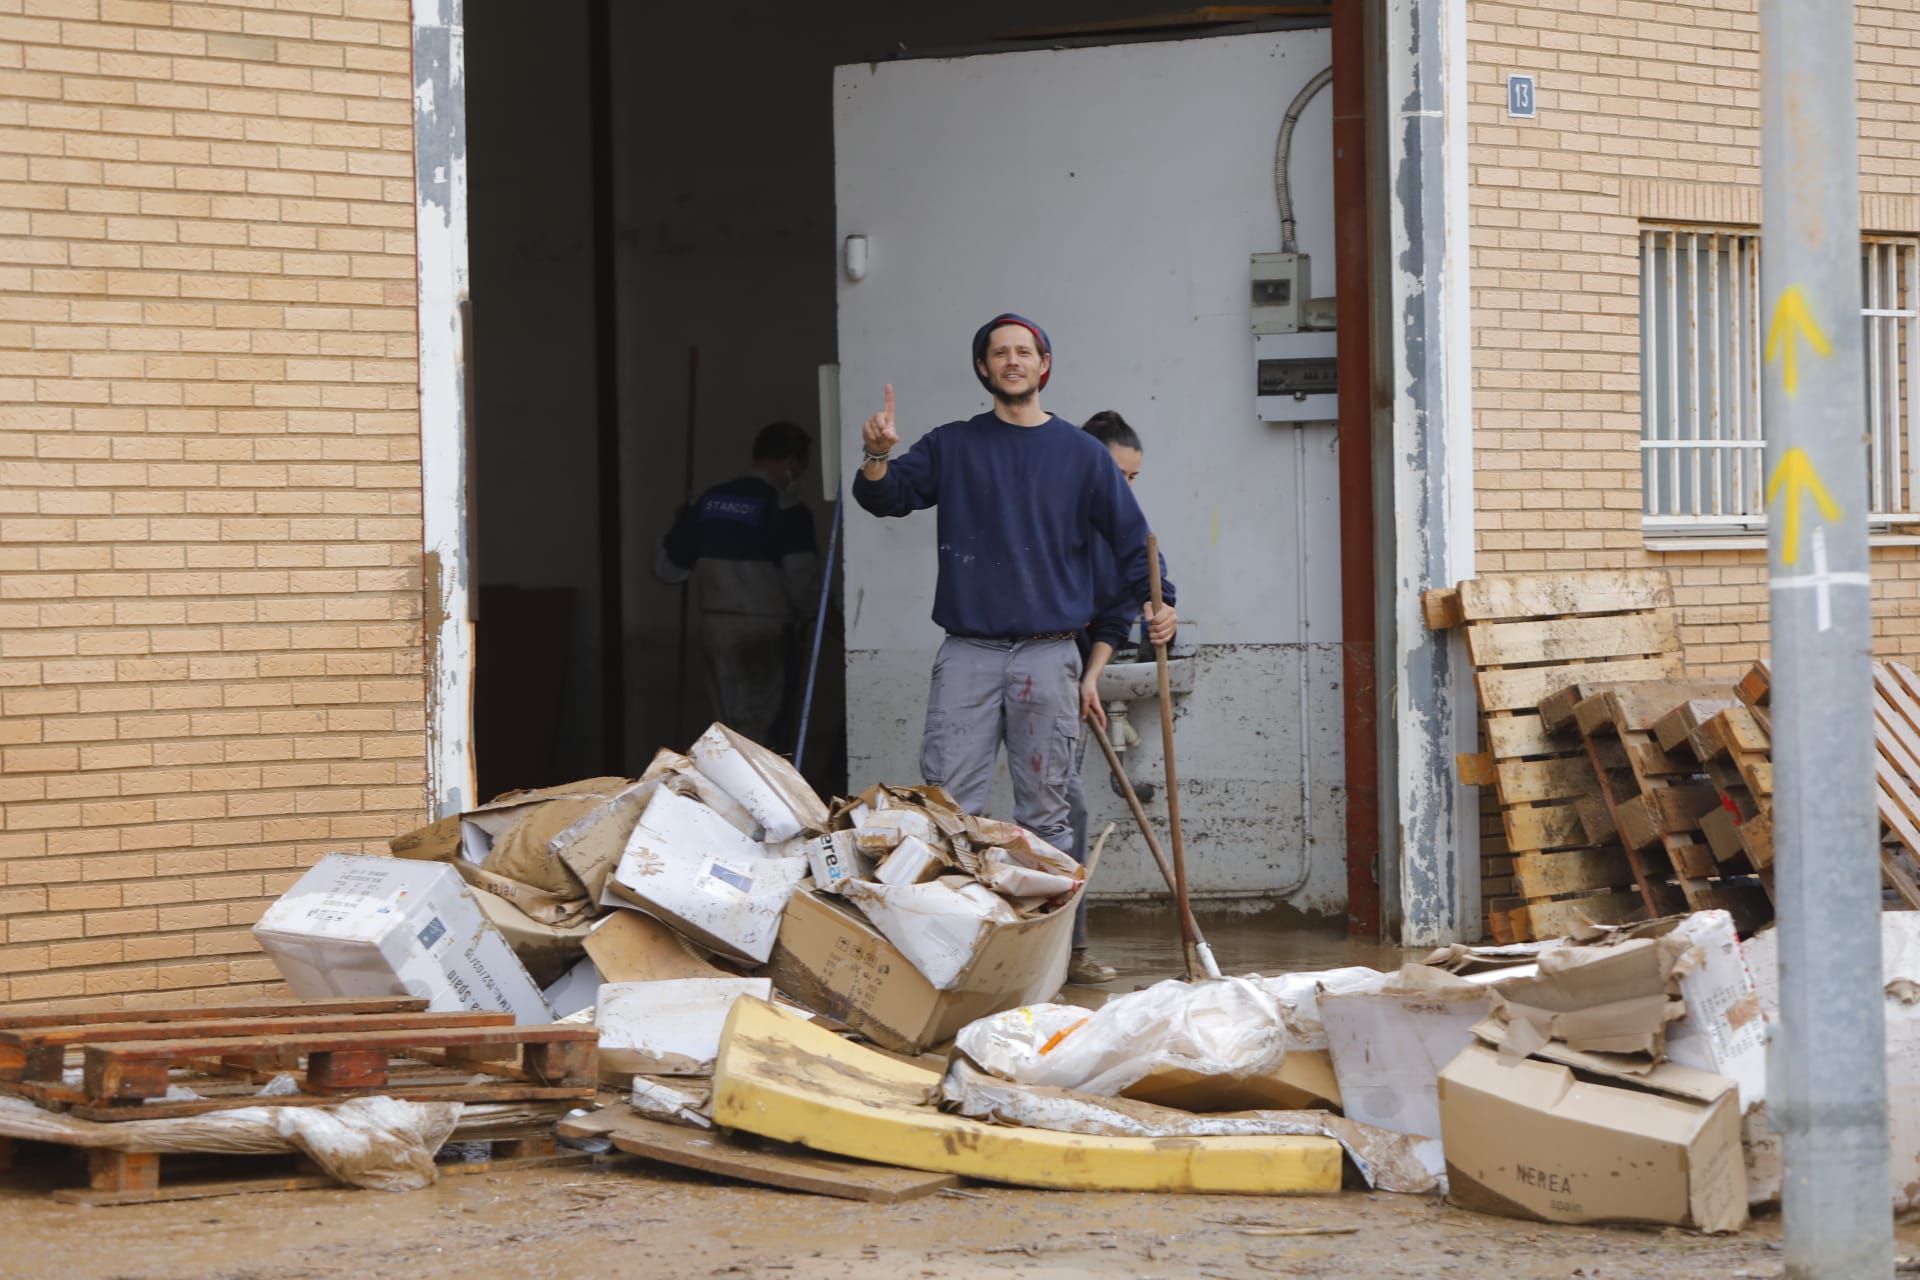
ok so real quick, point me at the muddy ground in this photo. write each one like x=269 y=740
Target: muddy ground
x=633 y=1220
x=629 y=1219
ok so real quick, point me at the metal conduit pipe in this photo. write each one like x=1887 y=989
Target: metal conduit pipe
x=1283 y=147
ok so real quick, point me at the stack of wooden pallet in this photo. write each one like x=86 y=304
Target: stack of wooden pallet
x=1531 y=637
x=1731 y=745
x=1622 y=788
x=151 y=1064
x=1659 y=797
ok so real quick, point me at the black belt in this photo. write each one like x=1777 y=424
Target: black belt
x=1012 y=640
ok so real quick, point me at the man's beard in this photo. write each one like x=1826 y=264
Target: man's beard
x=1014 y=399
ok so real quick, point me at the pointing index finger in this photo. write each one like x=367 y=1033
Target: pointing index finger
x=889 y=400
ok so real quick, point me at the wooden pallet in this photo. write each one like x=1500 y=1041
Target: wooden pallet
x=117 y=1177
x=1896 y=736
x=1658 y=797
x=127 y=1067
x=1733 y=748
x=1531 y=636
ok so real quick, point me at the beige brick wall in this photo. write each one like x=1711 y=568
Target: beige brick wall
x=210 y=639
x=1647 y=110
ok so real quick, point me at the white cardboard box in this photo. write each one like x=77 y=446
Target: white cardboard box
x=688 y=866
x=1725 y=1030
x=1391 y=1040
x=833 y=859
x=766 y=786
x=669 y=1028
x=367 y=926
x=940 y=926
x=575 y=990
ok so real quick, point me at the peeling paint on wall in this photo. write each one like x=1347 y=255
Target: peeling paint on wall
x=1431 y=454
x=440 y=177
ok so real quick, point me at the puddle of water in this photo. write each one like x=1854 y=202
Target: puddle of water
x=1143 y=943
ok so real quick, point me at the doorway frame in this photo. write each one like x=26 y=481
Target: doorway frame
x=1405 y=433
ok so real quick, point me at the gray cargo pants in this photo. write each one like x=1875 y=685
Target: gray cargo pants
x=1022 y=692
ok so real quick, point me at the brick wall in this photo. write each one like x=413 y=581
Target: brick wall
x=1648 y=110
x=210 y=643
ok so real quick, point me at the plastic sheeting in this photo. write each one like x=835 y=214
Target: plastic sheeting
x=1233 y=1029
x=380 y=1143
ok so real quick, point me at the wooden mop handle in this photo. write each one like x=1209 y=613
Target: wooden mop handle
x=1181 y=903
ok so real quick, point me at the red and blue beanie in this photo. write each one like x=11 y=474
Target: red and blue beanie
x=1006 y=318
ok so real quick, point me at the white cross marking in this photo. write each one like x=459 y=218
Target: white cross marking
x=1822 y=582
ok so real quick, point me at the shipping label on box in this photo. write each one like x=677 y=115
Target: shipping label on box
x=692 y=869
x=833 y=859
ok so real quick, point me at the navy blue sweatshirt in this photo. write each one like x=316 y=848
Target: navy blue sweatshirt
x=1119 y=607
x=1021 y=509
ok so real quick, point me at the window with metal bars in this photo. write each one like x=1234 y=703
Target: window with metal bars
x=1702 y=436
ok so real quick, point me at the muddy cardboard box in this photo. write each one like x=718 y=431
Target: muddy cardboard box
x=1389 y=1040
x=365 y=926
x=831 y=959
x=685 y=865
x=1529 y=1137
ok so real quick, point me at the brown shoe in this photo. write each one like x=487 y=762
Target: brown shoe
x=1085 y=971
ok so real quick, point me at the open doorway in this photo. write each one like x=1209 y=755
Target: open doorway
x=656 y=265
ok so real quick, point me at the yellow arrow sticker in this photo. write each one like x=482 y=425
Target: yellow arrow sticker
x=1797 y=476
x=1793 y=320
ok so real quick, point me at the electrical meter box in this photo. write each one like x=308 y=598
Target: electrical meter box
x=1280 y=291
x=1297 y=377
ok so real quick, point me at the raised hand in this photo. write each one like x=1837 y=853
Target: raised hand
x=879 y=434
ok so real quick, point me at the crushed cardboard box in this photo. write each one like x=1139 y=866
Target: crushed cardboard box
x=367 y=926
x=687 y=873
x=764 y=784
x=832 y=959
x=1673 y=989
x=687 y=866
x=574 y=992
x=668 y=1027
x=1565 y=1136
x=1391 y=1038
x=547 y=950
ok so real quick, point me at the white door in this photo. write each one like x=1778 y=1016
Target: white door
x=1114 y=194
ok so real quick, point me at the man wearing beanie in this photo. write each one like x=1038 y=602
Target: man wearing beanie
x=1023 y=497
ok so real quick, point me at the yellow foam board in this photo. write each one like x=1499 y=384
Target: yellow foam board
x=783 y=1078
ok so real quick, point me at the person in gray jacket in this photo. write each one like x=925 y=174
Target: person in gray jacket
x=748 y=545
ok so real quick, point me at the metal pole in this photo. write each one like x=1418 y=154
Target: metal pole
x=819 y=628
x=1828 y=1092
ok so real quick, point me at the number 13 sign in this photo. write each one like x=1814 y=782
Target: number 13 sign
x=1520 y=97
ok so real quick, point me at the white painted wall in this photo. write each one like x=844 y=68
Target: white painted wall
x=1114 y=194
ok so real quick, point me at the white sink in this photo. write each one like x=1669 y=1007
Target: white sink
x=1130 y=681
